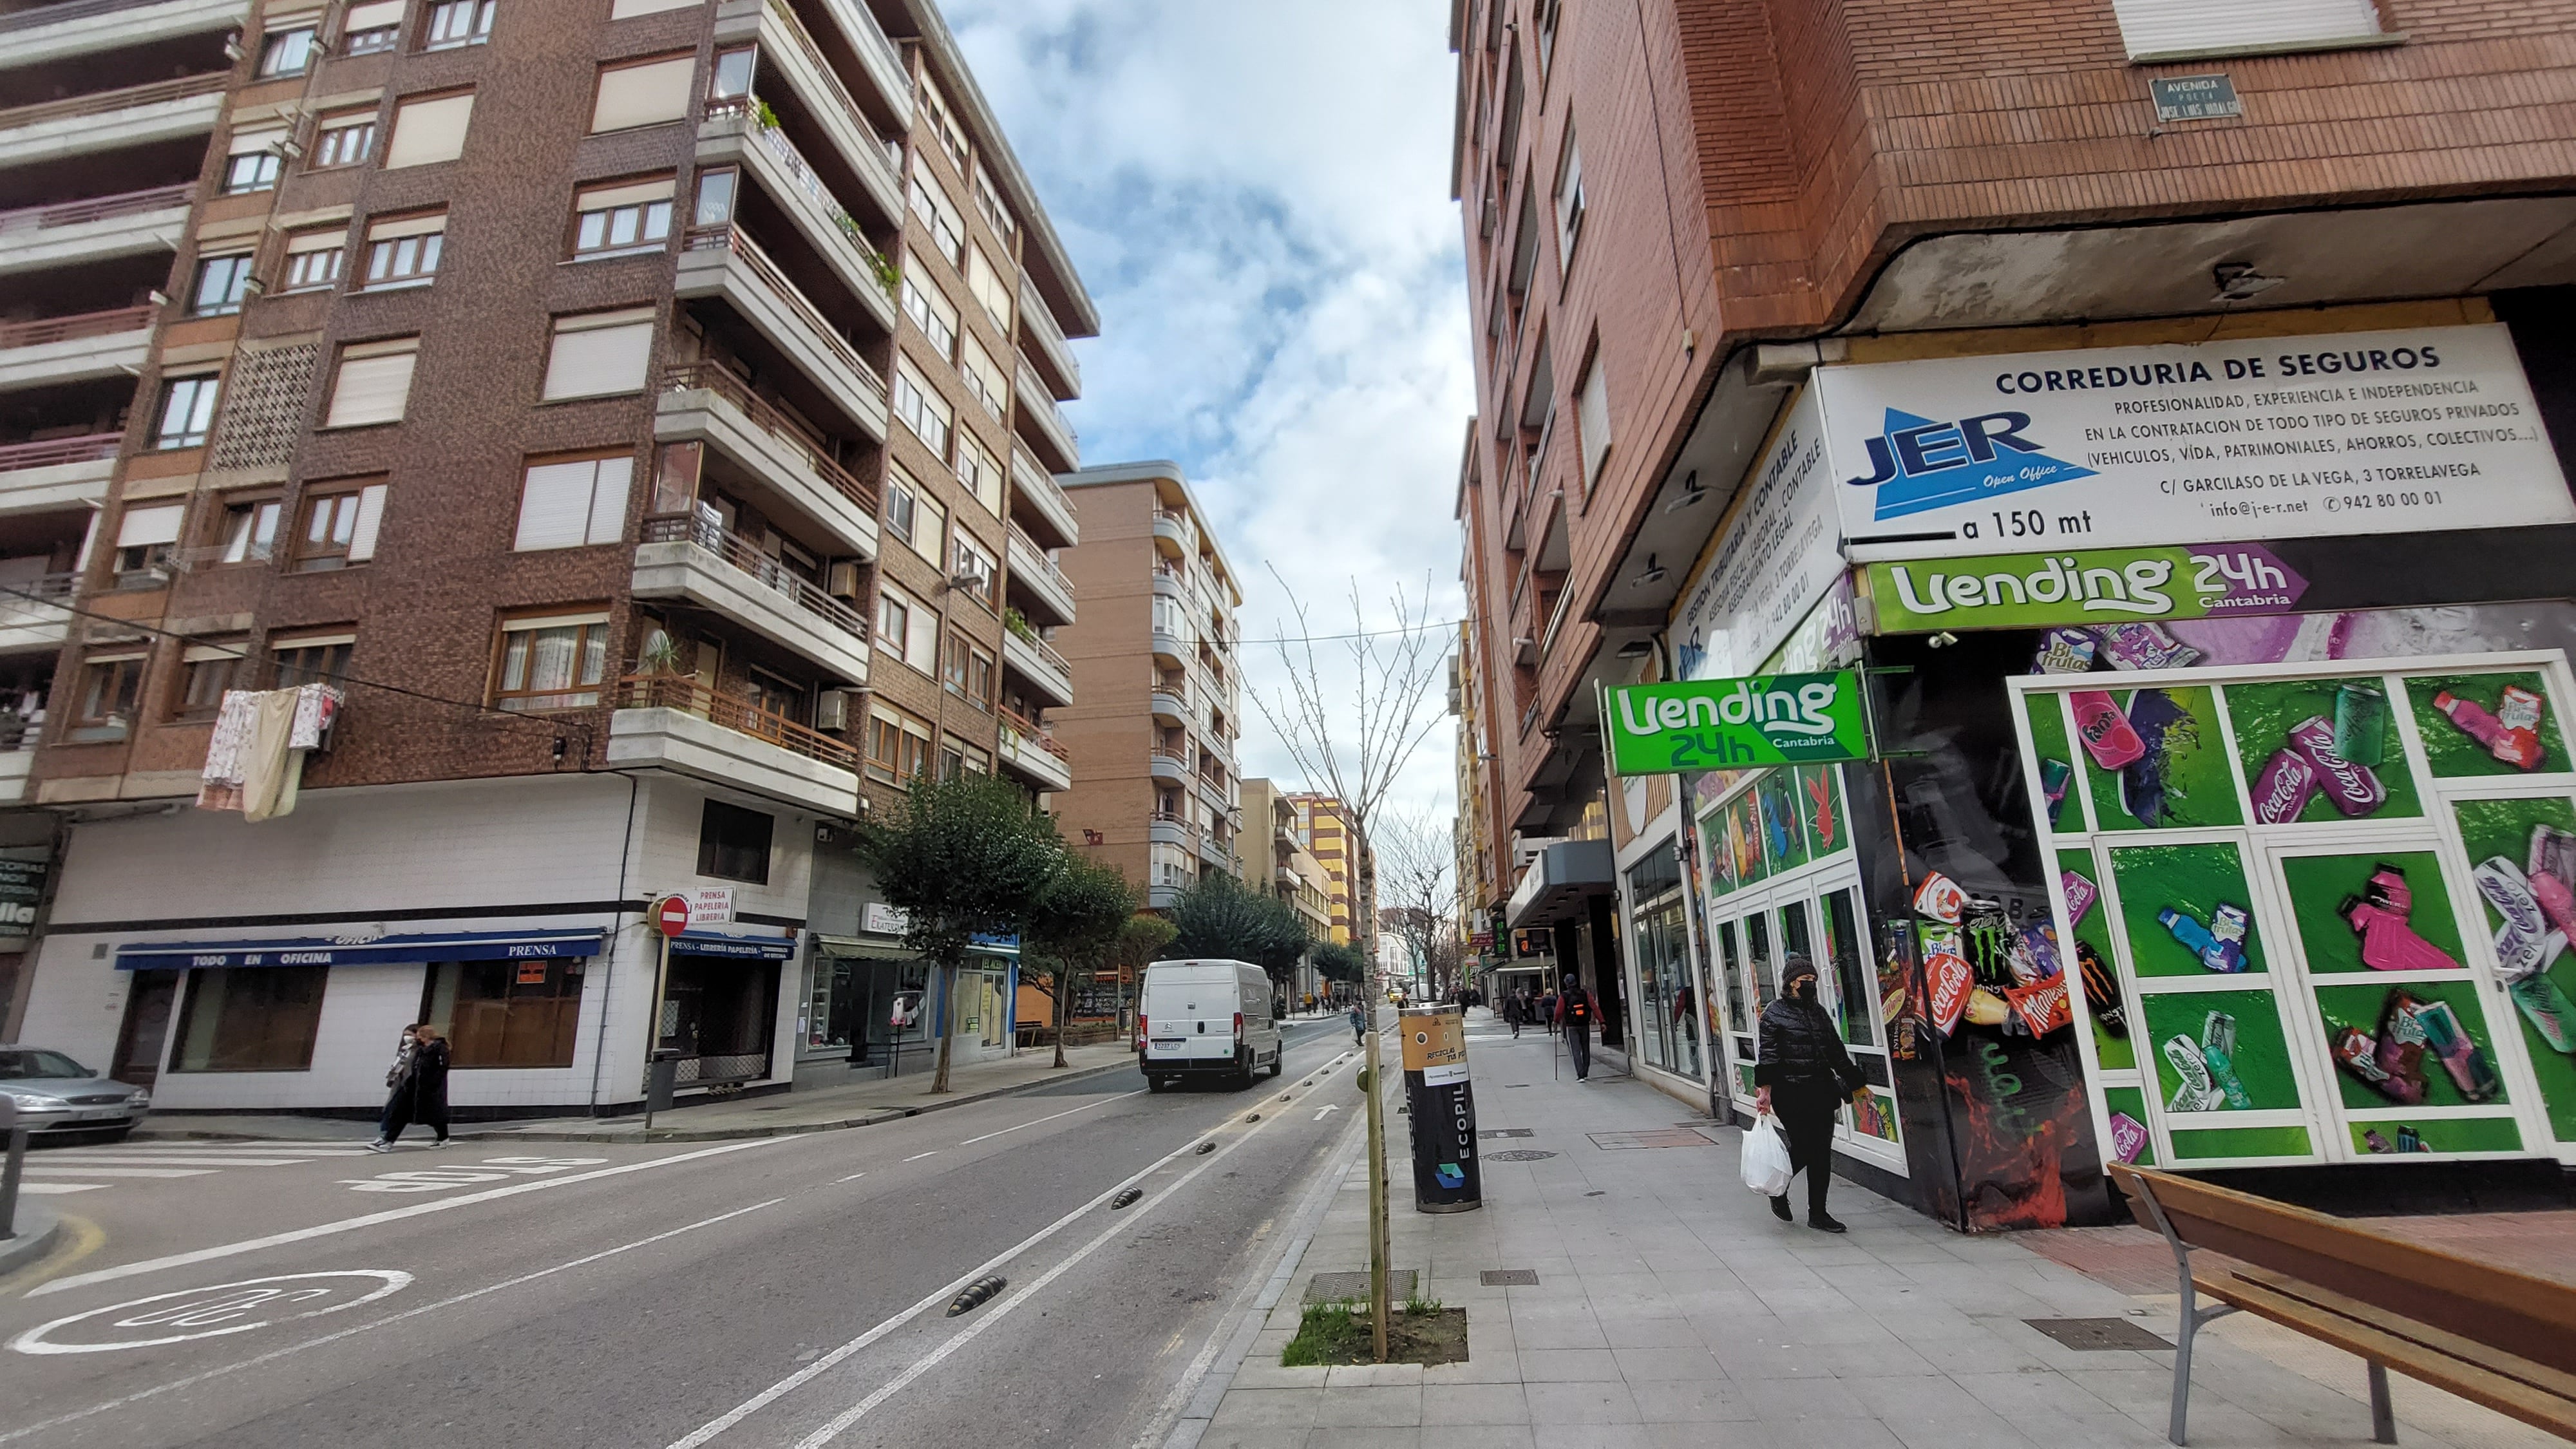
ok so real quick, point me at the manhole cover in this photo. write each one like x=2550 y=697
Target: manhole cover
x=1334 y=1287
x=1508 y=1132
x=2097 y=1333
x=1522 y=1154
x=1654 y=1137
x=1509 y=1277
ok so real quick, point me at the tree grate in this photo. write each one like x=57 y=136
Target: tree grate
x=1509 y=1277
x=1520 y=1154
x=2097 y=1333
x=1508 y=1132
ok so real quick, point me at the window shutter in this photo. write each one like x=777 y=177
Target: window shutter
x=988 y=373
x=314 y=241
x=985 y=281
x=374 y=384
x=554 y=509
x=1592 y=414
x=143 y=527
x=374 y=15
x=429 y=131
x=371 y=516
x=245 y=142
x=403 y=226
x=600 y=354
x=626 y=9
x=643 y=95
x=600 y=198
x=2176 y=27
x=921 y=650
x=608 y=499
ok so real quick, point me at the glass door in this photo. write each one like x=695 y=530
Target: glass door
x=1850 y=986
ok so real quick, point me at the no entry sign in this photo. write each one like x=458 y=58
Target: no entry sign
x=671 y=917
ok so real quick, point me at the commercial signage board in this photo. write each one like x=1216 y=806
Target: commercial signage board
x=711 y=906
x=2094 y=586
x=1737 y=724
x=879 y=919
x=1778 y=556
x=22 y=889
x=2410 y=430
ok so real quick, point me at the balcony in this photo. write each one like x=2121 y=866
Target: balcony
x=1169 y=580
x=58 y=473
x=1039 y=503
x=94 y=229
x=733 y=135
x=722 y=261
x=683 y=558
x=879 y=59
x=1173 y=536
x=1049 y=674
x=671 y=722
x=1170 y=703
x=1038 y=325
x=1171 y=651
x=701 y=402
x=167 y=110
x=30 y=619
x=1033 y=754
x=1216 y=852
x=787 y=50
x=1048 y=433
x=79 y=348
x=1036 y=579
x=1166 y=768
x=1165 y=828
x=85 y=27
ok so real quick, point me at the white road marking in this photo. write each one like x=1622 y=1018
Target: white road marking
x=214 y=1310
x=57 y=1189
x=274 y=1354
x=81 y=1170
x=1327 y=1110
x=324 y=1230
x=1085 y=1107
x=853 y=1177
x=916 y=1157
x=163 y=1159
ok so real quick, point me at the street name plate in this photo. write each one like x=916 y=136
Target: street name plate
x=2194 y=98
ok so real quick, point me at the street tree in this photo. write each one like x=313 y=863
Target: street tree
x=1340 y=961
x=1418 y=885
x=1217 y=917
x=1074 y=931
x=1145 y=939
x=961 y=858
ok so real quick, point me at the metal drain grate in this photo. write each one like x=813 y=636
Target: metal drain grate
x=1653 y=1137
x=1509 y=1277
x=2097 y=1333
x=1334 y=1287
x=1508 y=1132
x=1518 y=1154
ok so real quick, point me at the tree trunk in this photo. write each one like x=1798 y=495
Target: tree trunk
x=1063 y=984
x=941 y=1021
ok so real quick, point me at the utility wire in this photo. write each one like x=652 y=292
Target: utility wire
x=1363 y=634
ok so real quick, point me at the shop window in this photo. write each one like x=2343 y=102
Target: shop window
x=506 y=1013
x=404 y=251
x=206 y=671
x=733 y=843
x=344 y=140
x=551 y=663
x=250 y=1019
x=104 y=702
x=339 y=528
x=187 y=412
x=1853 y=1000
x=459 y=22
x=222 y=283
x=314 y=258
x=622 y=220
x=312 y=659
x=286 y=52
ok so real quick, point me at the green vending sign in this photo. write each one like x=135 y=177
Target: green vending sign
x=1737 y=724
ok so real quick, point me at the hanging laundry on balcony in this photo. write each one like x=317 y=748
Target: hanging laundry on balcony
x=255 y=760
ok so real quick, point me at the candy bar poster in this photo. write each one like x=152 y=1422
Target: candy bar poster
x=2368 y=432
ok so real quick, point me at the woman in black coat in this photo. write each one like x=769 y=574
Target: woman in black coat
x=1802 y=1075
x=420 y=1091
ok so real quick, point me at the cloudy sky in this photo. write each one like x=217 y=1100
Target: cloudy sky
x=1258 y=198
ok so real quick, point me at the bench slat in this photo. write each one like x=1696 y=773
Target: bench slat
x=2510 y=1365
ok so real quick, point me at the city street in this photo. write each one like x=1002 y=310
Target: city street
x=766 y=1291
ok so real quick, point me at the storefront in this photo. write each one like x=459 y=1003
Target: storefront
x=720 y=1005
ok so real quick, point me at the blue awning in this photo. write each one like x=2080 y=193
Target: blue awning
x=740 y=948
x=354 y=951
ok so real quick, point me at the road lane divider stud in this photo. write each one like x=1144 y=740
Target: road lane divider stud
x=977 y=1294
x=1126 y=1199
x=1255 y=1117
x=1205 y=1148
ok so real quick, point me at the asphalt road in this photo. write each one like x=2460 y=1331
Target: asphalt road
x=779 y=1291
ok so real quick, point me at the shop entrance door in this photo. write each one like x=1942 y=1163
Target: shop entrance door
x=721 y=1015
x=146 y=1030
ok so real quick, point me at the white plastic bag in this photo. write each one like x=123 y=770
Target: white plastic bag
x=1766 y=1157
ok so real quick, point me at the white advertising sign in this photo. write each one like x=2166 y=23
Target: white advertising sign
x=2282 y=437
x=1778 y=556
x=879 y=919
x=710 y=906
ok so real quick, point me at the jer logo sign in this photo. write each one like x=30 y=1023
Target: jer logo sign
x=1734 y=724
x=1918 y=465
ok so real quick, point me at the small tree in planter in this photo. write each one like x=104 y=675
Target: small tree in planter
x=1074 y=930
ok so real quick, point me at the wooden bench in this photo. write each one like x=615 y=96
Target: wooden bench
x=2500 y=1338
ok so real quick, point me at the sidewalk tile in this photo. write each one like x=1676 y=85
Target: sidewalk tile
x=1373 y=1375
x=1373 y=1406
x=1365 y=1436
x=1581 y=1403
x=1480 y=1436
x=1780 y=1401
x=1238 y=1438
x=1568 y=1365
x=1639 y=1365
x=1650 y=1333
x=1474 y=1404
x=1893 y=1396
x=2017 y=1394
x=1690 y=1401
x=1267 y=1408
x=1984 y=1430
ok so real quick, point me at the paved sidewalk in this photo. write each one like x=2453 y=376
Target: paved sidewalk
x=777 y=1114
x=1672 y=1309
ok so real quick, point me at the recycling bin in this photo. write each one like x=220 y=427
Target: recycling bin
x=1441 y=1105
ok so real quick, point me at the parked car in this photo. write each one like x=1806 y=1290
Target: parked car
x=59 y=1099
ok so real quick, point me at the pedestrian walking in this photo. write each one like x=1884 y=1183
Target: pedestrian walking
x=1547 y=1012
x=1801 y=1075
x=1574 y=1014
x=397 y=1078
x=419 y=1091
x=1359 y=1025
x=1512 y=1012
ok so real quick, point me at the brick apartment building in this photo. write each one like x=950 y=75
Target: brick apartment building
x=643 y=411
x=1714 y=249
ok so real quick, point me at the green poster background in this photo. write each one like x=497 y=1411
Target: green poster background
x=2261 y=1059
x=2264 y=714
x=2503 y=827
x=2456 y=1134
x=2114 y=1052
x=2361 y=1005
x=2048 y=737
x=2451 y=750
x=1714 y=850
x=2134 y=1102
x=1818 y=794
x=2198 y=790
x=2193 y=878
x=2210 y=1142
x=2320 y=884
x=1744 y=838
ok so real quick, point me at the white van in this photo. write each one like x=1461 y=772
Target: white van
x=1205 y=1018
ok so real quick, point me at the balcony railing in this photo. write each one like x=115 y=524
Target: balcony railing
x=765 y=271
x=838 y=93
x=1056 y=663
x=714 y=378
x=768 y=572
x=799 y=170
x=873 y=36
x=30 y=18
x=1034 y=395
x=1035 y=734
x=685 y=694
x=37 y=600
x=55 y=452
x=1038 y=555
x=1039 y=318
x=1036 y=479
x=93 y=208
x=1168 y=759
x=83 y=324
x=1189 y=829
x=101 y=102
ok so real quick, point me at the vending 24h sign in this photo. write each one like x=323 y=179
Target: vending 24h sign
x=1737 y=724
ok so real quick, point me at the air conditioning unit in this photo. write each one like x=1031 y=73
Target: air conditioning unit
x=842 y=581
x=832 y=710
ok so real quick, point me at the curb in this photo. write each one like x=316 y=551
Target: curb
x=38 y=1227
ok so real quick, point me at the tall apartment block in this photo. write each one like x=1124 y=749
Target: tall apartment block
x=1276 y=863
x=1933 y=342
x=1350 y=867
x=1157 y=679
x=640 y=414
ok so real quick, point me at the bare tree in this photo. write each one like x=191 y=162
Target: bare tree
x=1355 y=746
x=1418 y=885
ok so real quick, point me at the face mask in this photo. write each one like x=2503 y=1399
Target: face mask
x=1804 y=988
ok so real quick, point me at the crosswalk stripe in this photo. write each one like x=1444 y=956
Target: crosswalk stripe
x=33 y=1169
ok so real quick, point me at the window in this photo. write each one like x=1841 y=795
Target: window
x=715 y=196
x=1549 y=12
x=340 y=528
x=925 y=526
x=313 y=259
x=344 y=140
x=972 y=560
x=733 y=843
x=222 y=282
x=250 y=1019
x=506 y=1013
x=1569 y=199
x=729 y=79
x=460 y=22
x=574 y=503
x=934 y=314
x=253 y=160
x=943 y=123
x=985 y=379
x=374 y=383
x=403 y=251
x=207 y=670
x=373 y=26
x=898 y=745
x=1592 y=419
x=947 y=228
x=187 y=412
x=967 y=671
x=988 y=200
x=780 y=699
x=643 y=94
x=109 y=686
x=907 y=629
x=249 y=531
x=981 y=472
x=925 y=412
x=145 y=536
x=624 y=9
x=312 y=659
x=623 y=219
x=286 y=52
x=551 y=663
x=984 y=279
x=2154 y=28
x=599 y=354
x=429 y=129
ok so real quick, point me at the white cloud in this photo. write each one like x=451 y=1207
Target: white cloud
x=1258 y=199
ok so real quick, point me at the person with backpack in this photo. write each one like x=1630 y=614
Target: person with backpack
x=1802 y=1075
x=1574 y=1011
